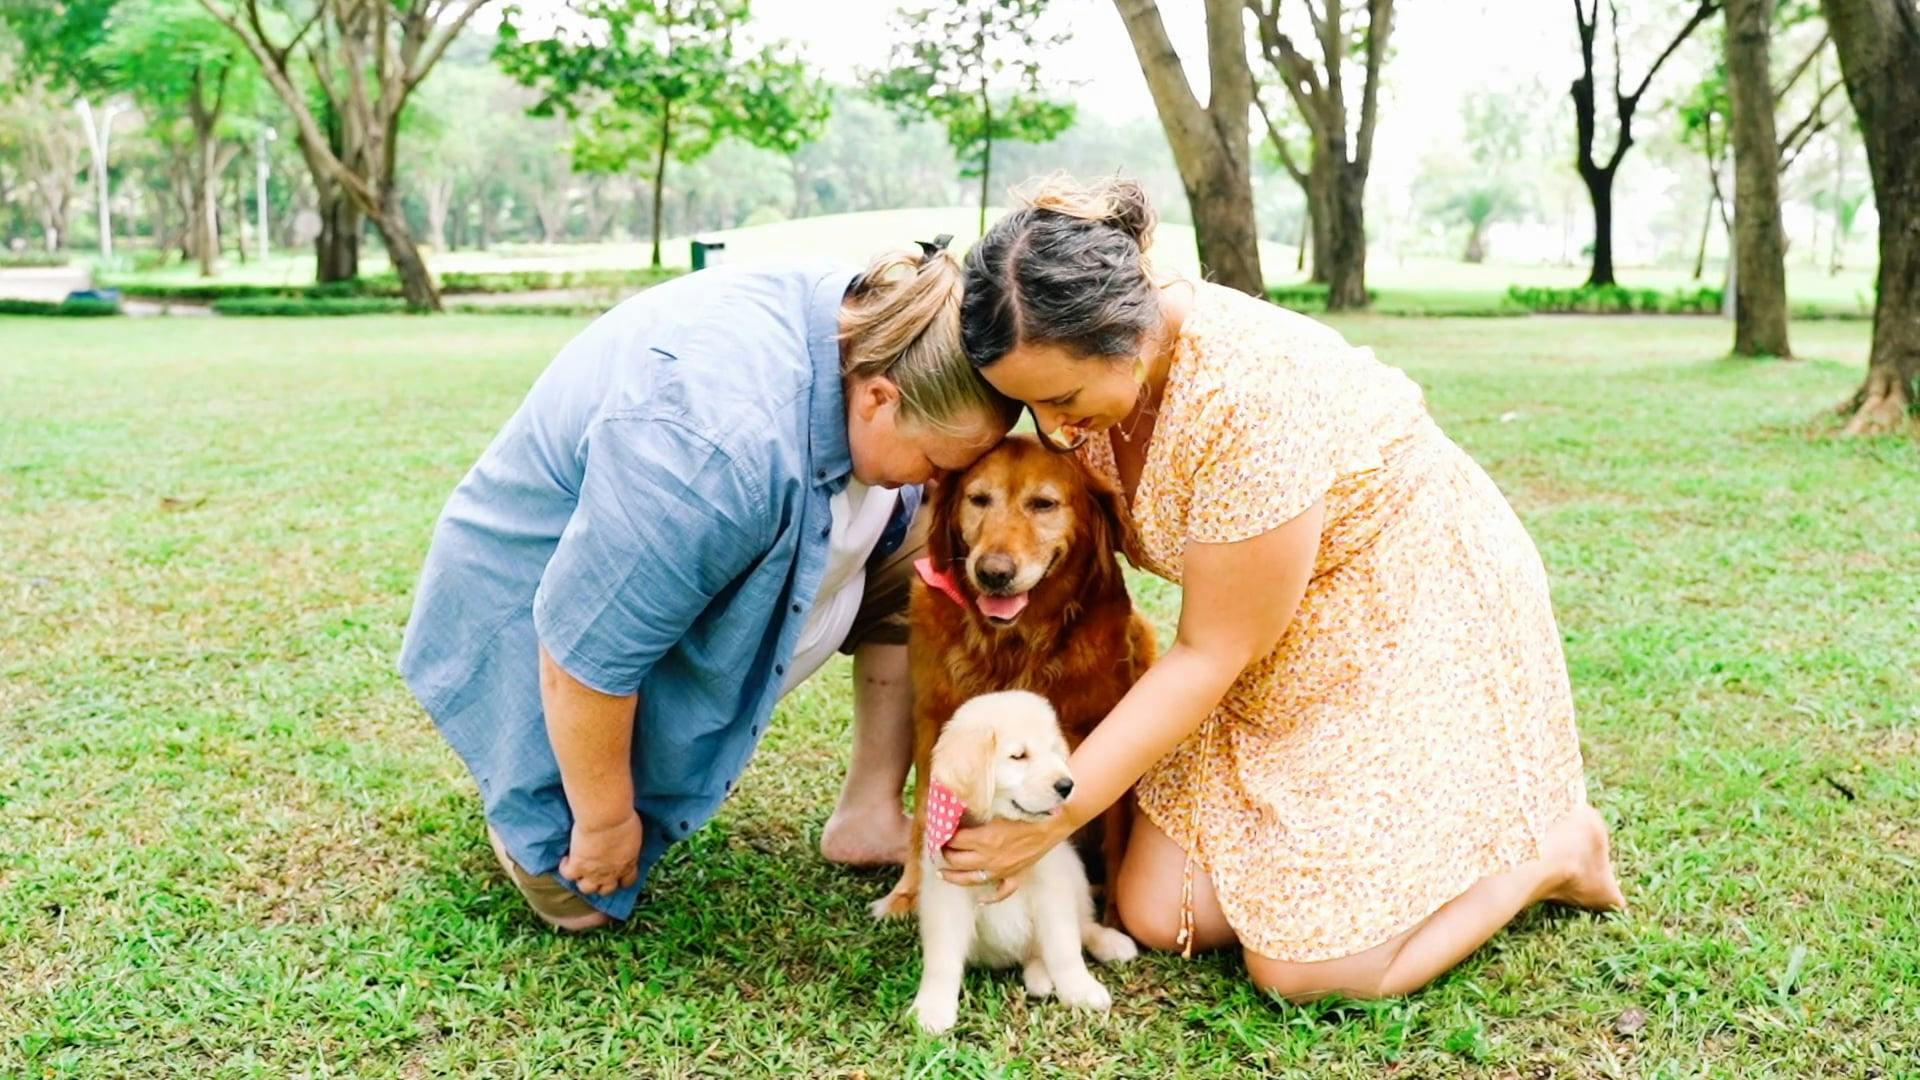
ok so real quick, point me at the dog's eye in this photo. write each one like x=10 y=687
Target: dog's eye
x=981 y=500
x=1041 y=506
x=1020 y=755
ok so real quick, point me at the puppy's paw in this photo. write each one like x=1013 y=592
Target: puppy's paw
x=1039 y=981
x=1110 y=946
x=1082 y=991
x=897 y=904
x=935 y=1012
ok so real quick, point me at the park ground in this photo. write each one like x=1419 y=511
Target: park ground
x=234 y=845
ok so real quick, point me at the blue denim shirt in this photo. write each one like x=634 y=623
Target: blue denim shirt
x=656 y=514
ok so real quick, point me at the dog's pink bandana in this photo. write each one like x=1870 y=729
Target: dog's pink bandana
x=942 y=580
x=944 y=811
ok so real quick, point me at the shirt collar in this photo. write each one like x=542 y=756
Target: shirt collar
x=829 y=456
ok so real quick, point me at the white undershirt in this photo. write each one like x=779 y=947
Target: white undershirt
x=860 y=516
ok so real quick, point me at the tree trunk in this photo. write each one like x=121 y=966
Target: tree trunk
x=337 y=248
x=415 y=283
x=1347 y=241
x=1759 y=242
x=1600 y=192
x=98 y=138
x=1320 y=211
x=1879 y=46
x=439 y=195
x=1706 y=230
x=206 y=233
x=1476 y=252
x=660 y=180
x=1210 y=145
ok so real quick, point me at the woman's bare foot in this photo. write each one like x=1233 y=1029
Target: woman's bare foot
x=872 y=838
x=1578 y=842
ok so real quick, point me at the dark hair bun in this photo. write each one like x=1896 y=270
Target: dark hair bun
x=1113 y=200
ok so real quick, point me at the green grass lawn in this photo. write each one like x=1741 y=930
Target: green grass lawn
x=234 y=846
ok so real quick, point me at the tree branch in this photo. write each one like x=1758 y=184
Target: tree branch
x=435 y=49
x=1160 y=63
x=1379 y=34
x=1706 y=10
x=1800 y=68
x=1296 y=71
x=1279 y=144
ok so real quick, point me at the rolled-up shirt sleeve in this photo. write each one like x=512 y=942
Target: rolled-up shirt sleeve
x=661 y=527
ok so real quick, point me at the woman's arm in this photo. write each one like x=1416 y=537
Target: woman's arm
x=592 y=737
x=1236 y=602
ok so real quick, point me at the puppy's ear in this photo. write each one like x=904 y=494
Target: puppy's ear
x=963 y=763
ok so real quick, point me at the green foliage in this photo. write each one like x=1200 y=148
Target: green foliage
x=59 y=42
x=973 y=66
x=1617 y=300
x=646 y=80
x=68 y=308
x=173 y=57
x=305 y=306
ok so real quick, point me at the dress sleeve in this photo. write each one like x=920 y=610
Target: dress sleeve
x=1266 y=453
x=663 y=524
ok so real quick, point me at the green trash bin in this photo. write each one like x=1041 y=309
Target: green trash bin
x=708 y=253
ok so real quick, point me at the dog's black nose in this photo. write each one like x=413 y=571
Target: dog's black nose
x=1064 y=786
x=994 y=571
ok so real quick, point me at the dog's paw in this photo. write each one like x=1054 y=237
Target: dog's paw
x=1110 y=946
x=1039 y=981
x=897 y=904
x=1082 y=991
x=935 y=1012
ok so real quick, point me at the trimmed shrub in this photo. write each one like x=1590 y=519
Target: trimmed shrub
x=1616 y=300
x=305 y=306
x=71 y=308
x=33 y=259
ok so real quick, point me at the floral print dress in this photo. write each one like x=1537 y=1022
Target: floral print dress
x=1413 y=732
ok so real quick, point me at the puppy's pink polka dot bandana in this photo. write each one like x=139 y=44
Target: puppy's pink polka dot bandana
x=944 y=811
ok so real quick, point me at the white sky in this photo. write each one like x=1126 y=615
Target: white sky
x=1442 y=48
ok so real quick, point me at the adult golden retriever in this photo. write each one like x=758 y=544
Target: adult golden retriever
x=1022 y=590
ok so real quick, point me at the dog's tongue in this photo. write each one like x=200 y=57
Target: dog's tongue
x=1002 y=607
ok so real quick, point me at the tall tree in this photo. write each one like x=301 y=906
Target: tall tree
x=1211 y=142
x=646 y=80
x=973 y=66
x=1342 y=157
x=1759 y=240
x=1599 y=176
x=1879 y=46
x=60 y=44
x=366 y=57
x=180 y=65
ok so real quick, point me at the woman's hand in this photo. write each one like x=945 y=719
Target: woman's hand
x=603 y=858
x=1001 y=851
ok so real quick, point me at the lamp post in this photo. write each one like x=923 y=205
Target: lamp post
x=267 y=135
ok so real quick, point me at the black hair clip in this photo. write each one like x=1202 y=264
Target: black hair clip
x=930 y=248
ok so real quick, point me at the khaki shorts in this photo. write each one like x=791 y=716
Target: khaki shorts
x=882 y=618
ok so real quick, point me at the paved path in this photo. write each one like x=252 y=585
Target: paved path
x=41 y=282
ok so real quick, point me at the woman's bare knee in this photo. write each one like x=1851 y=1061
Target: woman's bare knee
x=1151 y=921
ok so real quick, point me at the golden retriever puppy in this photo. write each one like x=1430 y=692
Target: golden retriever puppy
x=1002 y=756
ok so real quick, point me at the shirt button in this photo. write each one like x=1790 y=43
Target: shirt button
x=826 y=533
x=821 y=475
x=779 y=669
x=796 y=609
x=684 y=827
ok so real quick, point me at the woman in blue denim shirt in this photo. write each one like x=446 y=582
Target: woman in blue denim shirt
x=703 y=496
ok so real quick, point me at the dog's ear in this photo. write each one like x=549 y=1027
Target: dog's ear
x=1108 y=527
x=963 y=763
x=944 y=542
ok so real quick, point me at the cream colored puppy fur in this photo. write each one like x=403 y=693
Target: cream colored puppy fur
x=1003 y=756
